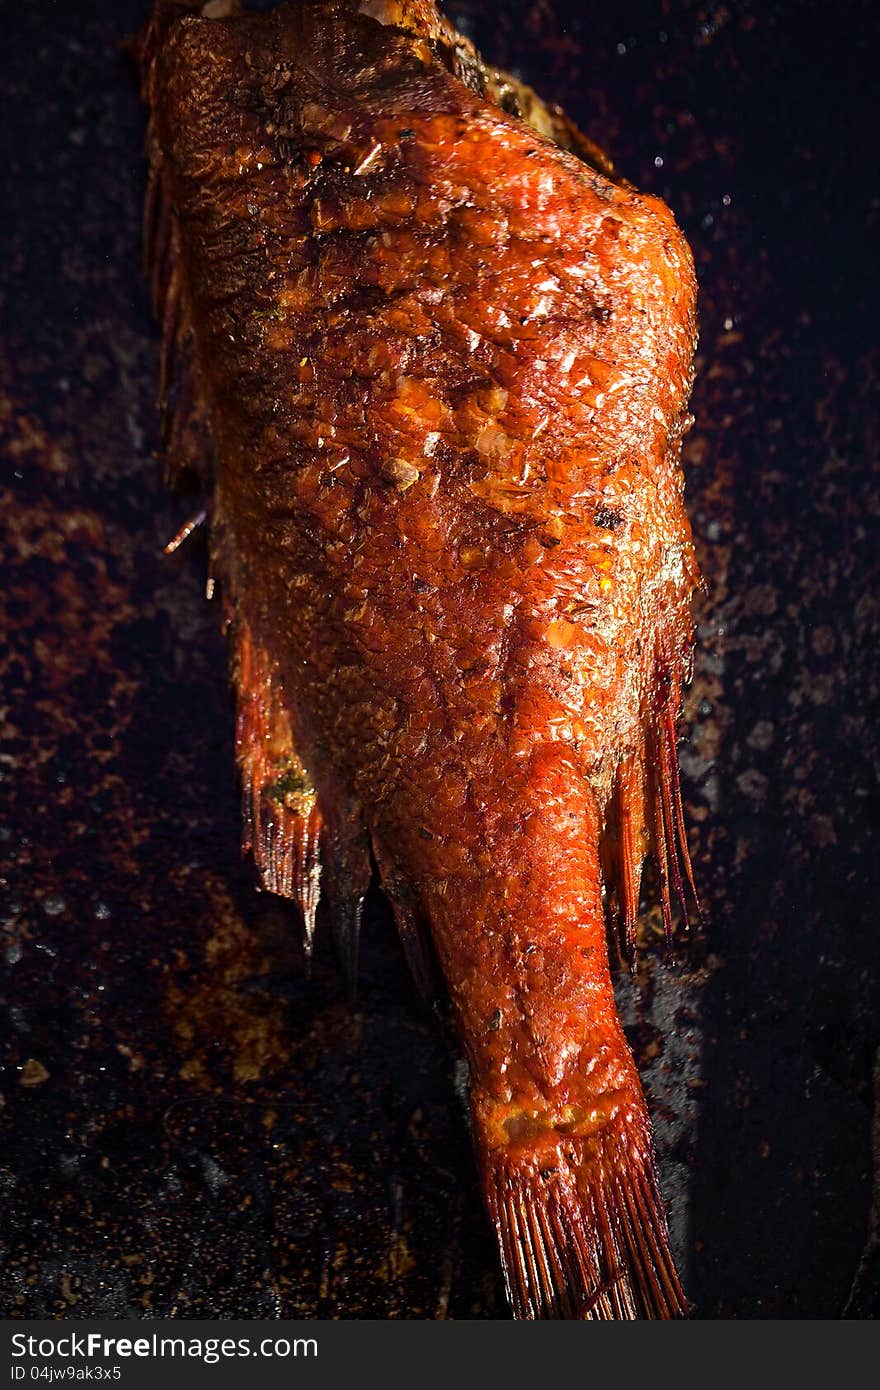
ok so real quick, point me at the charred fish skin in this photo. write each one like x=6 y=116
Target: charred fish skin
x=442 y=360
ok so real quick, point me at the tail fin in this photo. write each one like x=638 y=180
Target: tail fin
x=582 y=1231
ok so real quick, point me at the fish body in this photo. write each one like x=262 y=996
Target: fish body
x=436 y=358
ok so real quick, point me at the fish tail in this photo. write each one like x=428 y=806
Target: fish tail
x=582 y=1229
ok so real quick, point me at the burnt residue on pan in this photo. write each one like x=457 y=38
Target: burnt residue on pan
x=191 y=1125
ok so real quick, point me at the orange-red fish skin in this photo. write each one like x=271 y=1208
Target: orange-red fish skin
x=445 y=365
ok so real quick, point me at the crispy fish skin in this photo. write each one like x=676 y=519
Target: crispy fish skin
x=444 y=365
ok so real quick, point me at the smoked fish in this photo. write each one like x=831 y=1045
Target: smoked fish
x=433 y=357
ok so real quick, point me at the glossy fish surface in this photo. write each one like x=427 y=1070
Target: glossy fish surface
x=435 y=357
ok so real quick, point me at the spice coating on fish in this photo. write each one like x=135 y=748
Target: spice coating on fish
x=441 y=366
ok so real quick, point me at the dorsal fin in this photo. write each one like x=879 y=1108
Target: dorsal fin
x=186 y=435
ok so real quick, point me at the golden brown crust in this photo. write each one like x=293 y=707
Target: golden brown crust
x=446 y=393
x=446 y=366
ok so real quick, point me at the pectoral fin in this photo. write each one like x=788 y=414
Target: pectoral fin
x=281 y=820
x=645 y=812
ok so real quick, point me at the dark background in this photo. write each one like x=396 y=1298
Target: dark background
x=192 y=1127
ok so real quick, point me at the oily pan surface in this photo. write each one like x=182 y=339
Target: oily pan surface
x=192 y=1126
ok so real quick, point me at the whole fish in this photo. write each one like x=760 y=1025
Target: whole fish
x=435 y=358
